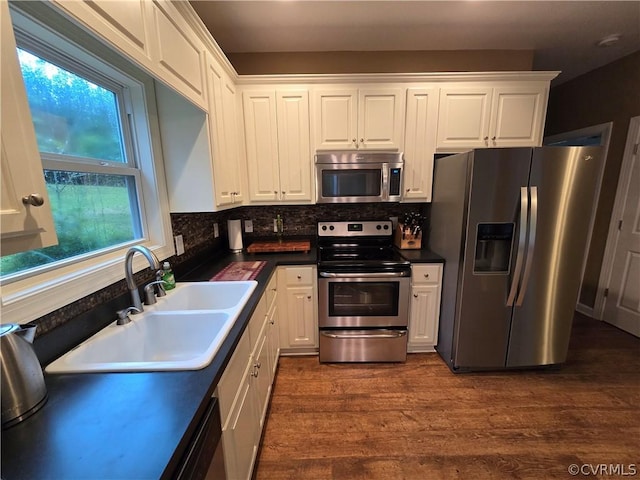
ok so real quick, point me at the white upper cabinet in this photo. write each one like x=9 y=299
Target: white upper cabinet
x=294 y=150
x=517 y=117
x=178 y=53
x=463 y=120
x=480 y=116
x=26 y=220
x=224 y=135
x=276 y=128
x=420 y=143
x=123 y=24
x=366 y=118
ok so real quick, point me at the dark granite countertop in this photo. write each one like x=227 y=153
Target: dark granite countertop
x=126 y=425
x=133 y=425
x=421 y=256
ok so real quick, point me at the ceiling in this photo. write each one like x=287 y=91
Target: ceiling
x=562 y=34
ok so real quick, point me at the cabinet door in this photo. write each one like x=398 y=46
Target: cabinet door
x=273 y=337
x=262 y=376
x=261 y=141
x=301 y=324
x=293 y=146
x=380 y=118
x=517 y=117
x=240 y=436
x=232 y=167
x=420 y=143
x=463 y=119
x=424 y=316
x=23 y=227
x=179 y=54
x=123 y=24
x=335 y=116
x=223 y=185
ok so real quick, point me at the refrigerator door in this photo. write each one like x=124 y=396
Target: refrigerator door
x=490 y=257
x=565 y=179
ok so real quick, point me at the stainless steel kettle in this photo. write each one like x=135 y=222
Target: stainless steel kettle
x=23 y=390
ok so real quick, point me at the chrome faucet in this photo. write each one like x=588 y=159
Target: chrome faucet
x=128 y=267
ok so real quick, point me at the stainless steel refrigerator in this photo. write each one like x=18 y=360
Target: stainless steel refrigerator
x=512 y=225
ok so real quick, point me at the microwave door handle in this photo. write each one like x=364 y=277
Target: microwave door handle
x=384 y=188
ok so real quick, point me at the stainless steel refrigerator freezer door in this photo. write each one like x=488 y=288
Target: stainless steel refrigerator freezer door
x=484 y=317
x=565 y=179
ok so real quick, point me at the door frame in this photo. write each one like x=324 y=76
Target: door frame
x=606 y=269
x=604 y=131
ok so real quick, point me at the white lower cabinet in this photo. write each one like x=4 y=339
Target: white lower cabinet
x=424 y=309
x=298 y=309
x=245 y=388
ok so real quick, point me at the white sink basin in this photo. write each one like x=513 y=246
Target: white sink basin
x=206 y=296
x=183 y=331
x=151 y=341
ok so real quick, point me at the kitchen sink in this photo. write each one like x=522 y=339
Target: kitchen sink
x=206 y=296
x=183 y=331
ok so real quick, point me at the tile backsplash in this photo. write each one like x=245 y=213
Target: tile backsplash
x=197 y=230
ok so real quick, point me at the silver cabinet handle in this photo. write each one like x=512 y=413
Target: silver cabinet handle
x=524 y=208
x=34 y=199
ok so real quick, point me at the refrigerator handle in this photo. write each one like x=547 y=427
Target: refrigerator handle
x=522 y=240
x=532 y=243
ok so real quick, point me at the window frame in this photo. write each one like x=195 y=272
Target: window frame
x=37 y=294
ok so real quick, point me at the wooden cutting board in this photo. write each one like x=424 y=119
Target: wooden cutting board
x=274 y=246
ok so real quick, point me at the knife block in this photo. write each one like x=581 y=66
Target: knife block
x=409 y=242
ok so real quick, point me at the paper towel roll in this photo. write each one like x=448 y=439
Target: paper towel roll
x=234 y=228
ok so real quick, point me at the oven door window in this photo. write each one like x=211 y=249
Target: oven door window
x=363 y=299
x=352 y=183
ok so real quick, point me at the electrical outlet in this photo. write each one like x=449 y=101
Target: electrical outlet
x=248 y=226
x=275 y=225
x=179 y=245
x=216 y=230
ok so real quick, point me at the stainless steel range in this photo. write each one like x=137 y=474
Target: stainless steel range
x=363 y=293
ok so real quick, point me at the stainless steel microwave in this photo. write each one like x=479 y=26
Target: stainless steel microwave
x=354 y=177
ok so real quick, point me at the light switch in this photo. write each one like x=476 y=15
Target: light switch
x=216 y=230
x=248 y=226
x=179 y=245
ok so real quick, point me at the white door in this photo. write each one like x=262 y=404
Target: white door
x=622 y=307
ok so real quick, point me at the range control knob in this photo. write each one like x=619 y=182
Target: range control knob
x=386 y=226
x=378 y=227
x=324 y=228
x=332 y=228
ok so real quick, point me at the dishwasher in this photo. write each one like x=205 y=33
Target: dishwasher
x=204 y=459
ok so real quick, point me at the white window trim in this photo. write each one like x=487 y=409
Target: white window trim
x=30 y=298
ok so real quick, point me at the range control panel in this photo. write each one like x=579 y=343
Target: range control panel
x=355 y=229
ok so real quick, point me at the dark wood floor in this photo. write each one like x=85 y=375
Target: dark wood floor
x=419 y=421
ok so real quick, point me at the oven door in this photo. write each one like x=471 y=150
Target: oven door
x=352 y=300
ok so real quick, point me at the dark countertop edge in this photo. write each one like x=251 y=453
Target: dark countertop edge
x=18 y=441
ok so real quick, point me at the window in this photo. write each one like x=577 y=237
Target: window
x=91 y=177
x=95 y=119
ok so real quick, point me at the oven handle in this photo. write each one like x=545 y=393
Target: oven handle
x=364 y=274
x=381 y=334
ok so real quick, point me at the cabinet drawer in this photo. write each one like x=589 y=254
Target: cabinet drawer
x=426 y=273
x=299 y=276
